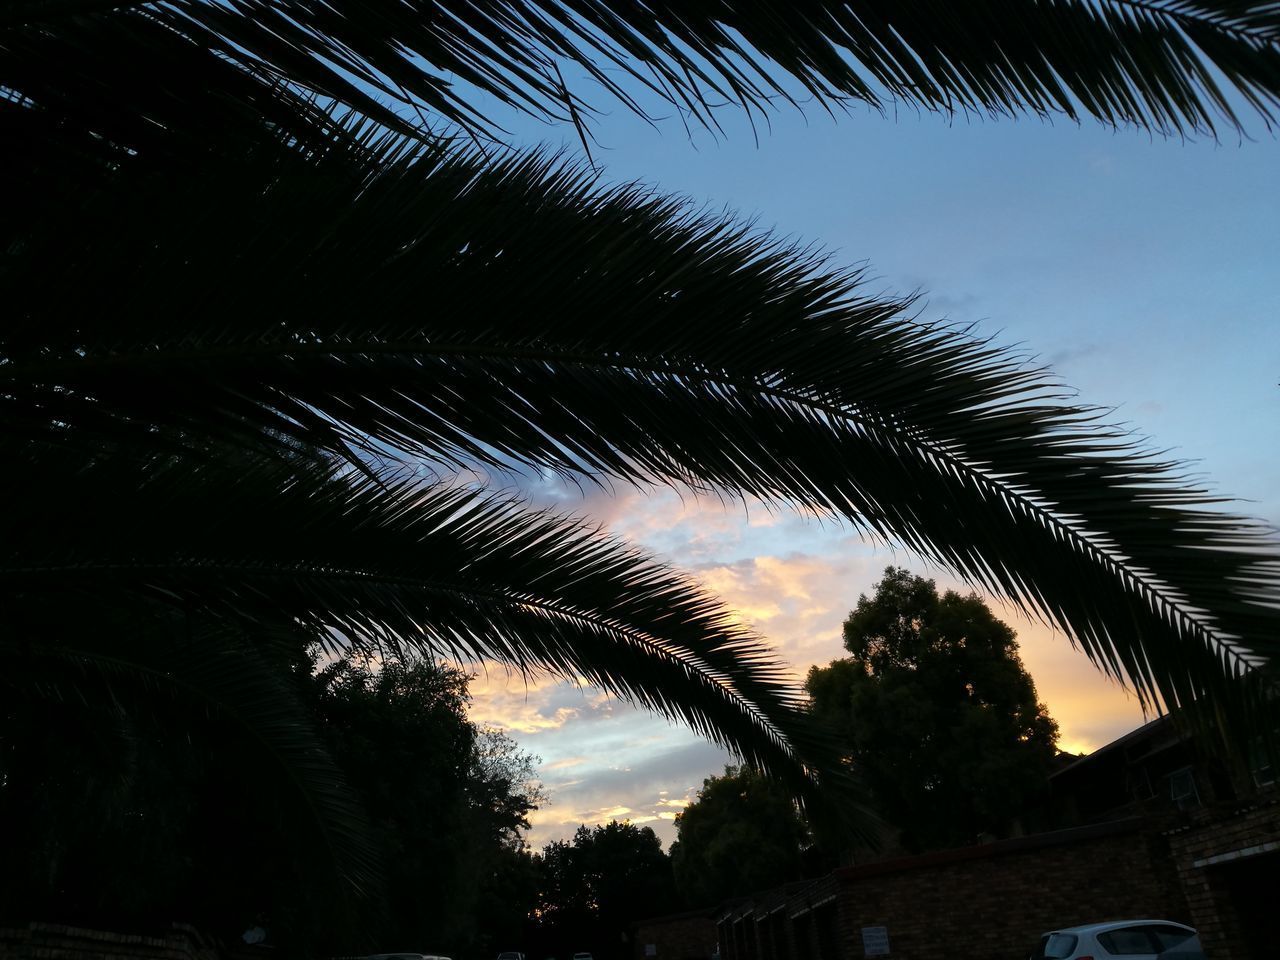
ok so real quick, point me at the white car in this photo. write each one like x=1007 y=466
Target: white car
x=1132 y=939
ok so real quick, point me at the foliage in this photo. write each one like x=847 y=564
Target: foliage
x=247 y=328
x=114 y=817
x=1155 y=63
x=937 y=712
x=174 y=598
x=596 y=885
x=449 y=801
x=742 y=834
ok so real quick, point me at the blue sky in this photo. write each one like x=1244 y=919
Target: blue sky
x=1143 y=270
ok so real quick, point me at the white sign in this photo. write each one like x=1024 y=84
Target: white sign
x=875 y=941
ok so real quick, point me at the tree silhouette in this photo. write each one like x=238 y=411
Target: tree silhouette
x=255 y=310
x=109 y=819
x=593 y=887
x=740 y=835
x=937 y=712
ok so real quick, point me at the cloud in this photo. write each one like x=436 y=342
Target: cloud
x=563 y=763
x=797 y=600
x=790 y=578
x=1100 y=162
x=605 y=814
x=533 y=704
x=1064 y=357
x=650 y=791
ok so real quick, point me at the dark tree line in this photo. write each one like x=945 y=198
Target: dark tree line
x=934 y=711
x=937 y=713
x=173 y=815
x=931 y=708
x=595 y=885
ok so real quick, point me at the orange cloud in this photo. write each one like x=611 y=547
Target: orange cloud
x=794 y=581
x=563 y=763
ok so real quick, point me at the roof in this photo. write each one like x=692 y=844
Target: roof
x=1138 y=733
x=1095 y=928
x=679 y=915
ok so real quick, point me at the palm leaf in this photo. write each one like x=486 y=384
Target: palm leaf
x=460 y=309
x=1170 y=65
x=131 y=654
x=394 y=569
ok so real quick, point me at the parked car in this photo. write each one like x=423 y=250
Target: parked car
x=510 y=955
x=406 y=956
x=582 y=956
x=1131 y=939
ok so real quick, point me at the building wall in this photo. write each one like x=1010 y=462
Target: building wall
x=48 y=941
x=1228 y=865
x=679 y=937
x=993 y=903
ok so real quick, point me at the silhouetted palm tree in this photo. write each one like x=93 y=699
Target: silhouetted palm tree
x=242 y=292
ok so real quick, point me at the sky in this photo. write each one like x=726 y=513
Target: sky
x=1144 y=271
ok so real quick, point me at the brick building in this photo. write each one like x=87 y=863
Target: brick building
x=679 y=936
x=993 y=898
x=1221 y=825
x=1143 y=827
x=1227 y=860
x=51 y=941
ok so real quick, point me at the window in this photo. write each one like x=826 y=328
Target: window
x=1056 y=946
x=1169 y=937
x=1141 y=782
x=1260 y=766
x=1127 y=942
x=1182 y=789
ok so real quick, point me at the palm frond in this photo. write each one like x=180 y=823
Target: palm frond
x=1169 y=65
x=392 y=568
x=80 y=99
x=138 y=656
x=461 y=309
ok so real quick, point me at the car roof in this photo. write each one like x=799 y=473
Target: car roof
x=1093 y=928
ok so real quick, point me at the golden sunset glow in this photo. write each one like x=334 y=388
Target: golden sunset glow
x=793 y=581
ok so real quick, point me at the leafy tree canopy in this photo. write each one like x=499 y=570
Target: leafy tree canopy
x=449 y=800
x=742 y=834
x=596 y=885
x=115 y=817
x=937 y=712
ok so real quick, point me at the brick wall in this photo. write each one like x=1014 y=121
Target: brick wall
x=991 y=902
x=684 y=936
x=1208 y=849
x=48 y=941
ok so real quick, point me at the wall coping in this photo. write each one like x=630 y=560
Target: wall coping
x=705 y=912
x=1206 y=818
x=997 y=848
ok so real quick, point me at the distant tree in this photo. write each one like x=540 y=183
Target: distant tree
x=132 y=819
x=450 y=800
x=171 y=814
x=742 y=833
x=937 y=712
x=597 y=884
x=509 y=900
